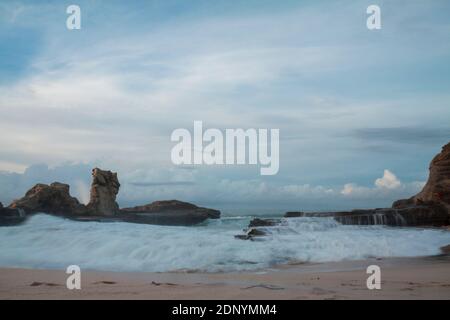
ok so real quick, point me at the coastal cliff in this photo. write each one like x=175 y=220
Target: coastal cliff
x=430 y=207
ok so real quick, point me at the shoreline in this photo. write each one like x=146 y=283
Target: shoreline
x=401 y=278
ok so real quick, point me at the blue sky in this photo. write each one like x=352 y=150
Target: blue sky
x=350 y=103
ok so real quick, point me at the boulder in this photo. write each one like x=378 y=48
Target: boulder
x=258 y=228
x=104 y=189
x=54 y=199
x=170 y=212
x=251 y=234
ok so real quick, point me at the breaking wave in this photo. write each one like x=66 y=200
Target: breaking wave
x=52 y=242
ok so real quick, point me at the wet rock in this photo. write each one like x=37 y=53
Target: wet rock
x=431 y=216
x=11 y=217
x=263 y=222
x=54 y=199
x=254 y=232
x=242 y=237
x=294 y=214
x=251 y=234
x=104 y=189
x=424 y=215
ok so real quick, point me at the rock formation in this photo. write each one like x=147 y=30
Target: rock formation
x=437 y=188
x=170 y=212
x=430 y=207
x=172 y=206
x=54 y=199
x=413 y=216
x=258 y=228
x=104 y=189
x=251 y=234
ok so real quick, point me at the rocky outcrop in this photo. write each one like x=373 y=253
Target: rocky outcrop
x=104 y=189
x=170 y=212
x=11 y=217
x=54 y=199
x=294 y=214
x=258 y=228
x=251 y=234
x=170 y=206
x=434 y=199
x=430 y=207
x=432 y=216
x=437 y=188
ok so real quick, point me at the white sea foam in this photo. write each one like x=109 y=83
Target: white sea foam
x=50 y=242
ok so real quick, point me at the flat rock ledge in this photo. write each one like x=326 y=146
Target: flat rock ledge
x=433 y=215
x=170 y=212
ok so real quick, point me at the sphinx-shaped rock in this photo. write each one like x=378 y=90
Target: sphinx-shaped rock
x=104 y=189
x=54 y=198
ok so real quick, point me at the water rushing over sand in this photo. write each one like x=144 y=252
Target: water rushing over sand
x=51 y=242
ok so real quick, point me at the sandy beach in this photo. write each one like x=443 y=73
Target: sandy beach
x=401 y=278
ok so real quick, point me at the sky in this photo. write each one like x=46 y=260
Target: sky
x=361 y=112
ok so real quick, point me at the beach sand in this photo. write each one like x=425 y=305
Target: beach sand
x=401 y=278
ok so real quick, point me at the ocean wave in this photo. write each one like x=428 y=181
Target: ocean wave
x=51 y=242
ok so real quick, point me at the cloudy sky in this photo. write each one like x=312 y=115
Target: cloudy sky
x=361 y=113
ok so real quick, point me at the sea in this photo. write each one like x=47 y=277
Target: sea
x=49 y=242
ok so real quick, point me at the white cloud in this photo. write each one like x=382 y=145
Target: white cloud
x=349 y=188
x=388 y=186
x=389 y=181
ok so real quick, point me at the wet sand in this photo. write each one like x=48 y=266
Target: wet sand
x=401 y=278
